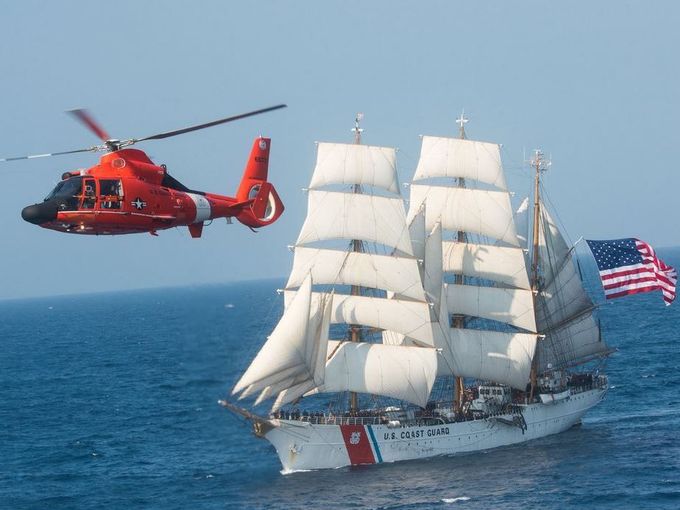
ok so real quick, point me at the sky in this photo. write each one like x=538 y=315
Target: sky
x=594 y=84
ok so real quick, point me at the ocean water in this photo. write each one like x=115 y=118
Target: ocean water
x=109 y=401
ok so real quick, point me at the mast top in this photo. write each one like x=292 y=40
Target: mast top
x=356 y=129
x=461 y=121
x=539 y=162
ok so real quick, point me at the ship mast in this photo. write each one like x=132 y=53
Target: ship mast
x=357 y=246
x=540 y=165
x=459 y=320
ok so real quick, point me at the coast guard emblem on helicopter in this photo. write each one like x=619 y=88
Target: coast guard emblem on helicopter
x=355 y=438
x=139 y=203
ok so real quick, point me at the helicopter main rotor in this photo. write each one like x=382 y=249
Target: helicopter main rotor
x=111 y=144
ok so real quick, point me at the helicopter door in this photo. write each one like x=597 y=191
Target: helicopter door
x=110 y=193
x=89 y=194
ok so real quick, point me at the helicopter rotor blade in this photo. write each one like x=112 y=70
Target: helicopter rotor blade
x=84 y=116
x=168 y=134
x=34 y=156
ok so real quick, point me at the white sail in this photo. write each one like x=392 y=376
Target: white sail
x=410 y=318
x=562 y=305
x=417 y=233
x=511 y=306
x=316 y=377
x=285 y=347
x=561 y=292
x=334 y=215
x=576 y=341
x=455 y=157
x=404 y=373
x=497 y=263
x=398 y=274
x=493 y=356
x=563 y=298
x=471 y=210
x=433 y=274
x=341 y=163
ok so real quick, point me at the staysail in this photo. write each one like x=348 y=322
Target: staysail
x=564 y=311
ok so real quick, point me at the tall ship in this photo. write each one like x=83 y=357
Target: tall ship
x=455 y=325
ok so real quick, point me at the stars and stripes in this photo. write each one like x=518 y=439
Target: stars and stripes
x=630 y=266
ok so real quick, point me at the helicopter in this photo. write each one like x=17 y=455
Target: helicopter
x=127 y=193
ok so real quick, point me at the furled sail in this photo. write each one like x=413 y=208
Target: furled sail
x=365 y=165
x=460 y=158
x=404 y=373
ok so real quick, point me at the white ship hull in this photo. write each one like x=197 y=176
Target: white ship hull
x=304 y=446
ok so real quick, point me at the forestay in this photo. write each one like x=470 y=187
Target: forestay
x=284 y=351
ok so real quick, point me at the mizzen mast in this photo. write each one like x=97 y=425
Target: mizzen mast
x=540 y=165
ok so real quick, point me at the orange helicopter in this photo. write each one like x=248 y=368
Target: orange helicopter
x=127 y=193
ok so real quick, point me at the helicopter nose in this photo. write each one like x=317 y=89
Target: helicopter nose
x=40 y=213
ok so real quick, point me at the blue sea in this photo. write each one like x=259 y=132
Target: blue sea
x=109 y=401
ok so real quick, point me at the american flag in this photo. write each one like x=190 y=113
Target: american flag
x=630 y=266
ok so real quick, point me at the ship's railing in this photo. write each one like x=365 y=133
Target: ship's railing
x=331 y=419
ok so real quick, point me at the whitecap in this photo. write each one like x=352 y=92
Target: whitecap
x=454 y=500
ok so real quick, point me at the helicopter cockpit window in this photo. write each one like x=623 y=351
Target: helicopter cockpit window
x=111 y=193
x=67 y=192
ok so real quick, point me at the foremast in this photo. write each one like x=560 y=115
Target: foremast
x=354 y=266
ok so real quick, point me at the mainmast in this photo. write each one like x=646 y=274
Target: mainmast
x=459 y=320
x=357 y=246
x=540 y=165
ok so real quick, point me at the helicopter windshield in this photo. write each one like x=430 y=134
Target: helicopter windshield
x=66 y=189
